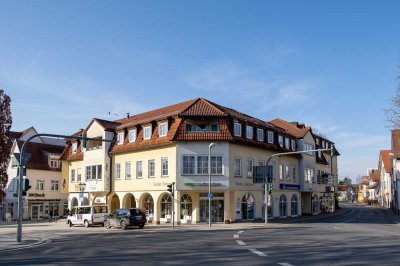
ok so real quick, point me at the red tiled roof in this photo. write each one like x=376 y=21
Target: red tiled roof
x=374 y=176
x=290 y=128
x=39 y=155
x=396 y=143
x=385 y=157
x=154 y=115
x=202 y=107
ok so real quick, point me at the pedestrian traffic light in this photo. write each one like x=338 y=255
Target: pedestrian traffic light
x=170 y=188
x=25 y=186
x=270 y=187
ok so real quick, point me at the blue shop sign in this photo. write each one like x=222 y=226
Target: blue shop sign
x=289 y=187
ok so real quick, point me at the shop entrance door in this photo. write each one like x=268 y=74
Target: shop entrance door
x=217 y=210
x=37 y=212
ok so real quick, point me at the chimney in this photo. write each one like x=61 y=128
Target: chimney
x=396 y=143
x=127 y=115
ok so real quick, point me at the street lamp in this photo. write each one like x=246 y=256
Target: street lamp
x=212 y=145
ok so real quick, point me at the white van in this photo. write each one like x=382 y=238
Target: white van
x=87 y=215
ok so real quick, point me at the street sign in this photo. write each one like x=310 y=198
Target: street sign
x=17 y=156
x=81 y=195
x=210 y=195
x=260 y=173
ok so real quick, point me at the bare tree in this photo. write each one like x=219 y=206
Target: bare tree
x=5 y=140
x=393 y=112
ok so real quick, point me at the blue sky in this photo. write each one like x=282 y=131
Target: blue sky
x=332 y=65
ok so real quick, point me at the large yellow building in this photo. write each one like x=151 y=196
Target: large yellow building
x=172 y=144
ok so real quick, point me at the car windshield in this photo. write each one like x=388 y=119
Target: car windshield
x=100 y=209
x=136 y=212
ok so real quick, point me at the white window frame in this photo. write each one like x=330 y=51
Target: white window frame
x=128 y=174
x=287 y=143
x=161 y=132
x=237 y=166
x=74 y=147
x=214 y=165
x=270 y=137
x=73 y=173
x=120 y=138
x=40 y=185
x=151 y=168
x=280 y=140
x=250 y=165
x=78 y=174
x=117 y=171
x=147 y=129
x=164 y=167
x=260 y=134
x=249 y=132
x=287 y=174
x=188 y=172
x=132 y=135
x=237 y=129
x=202 y=164
x=139 y=169
x=280 y=171
x=55 y=185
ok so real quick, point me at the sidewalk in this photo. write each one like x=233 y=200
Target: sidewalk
x=8 y=243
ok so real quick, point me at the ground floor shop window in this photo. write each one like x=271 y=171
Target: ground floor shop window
x=282 y=206
x=294 y=206
x=148 y=205
x=54 y=208
x=315 y=204
x=247 y=206
x=217 y=207
x=186 y=207
x=166 y=206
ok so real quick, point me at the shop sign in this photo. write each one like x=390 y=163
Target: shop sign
x=91 y=186
x=201 y=184
x=289 y=187
x=36 y=195
x=100 y=200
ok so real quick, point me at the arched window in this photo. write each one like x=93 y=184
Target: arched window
x=186 y=207
x=166 y=206
x=315 y=204
x=148 y=205
x=85 y=201
x=282 y=206
x=74 y=202
x=294 y=205
x=247 y=206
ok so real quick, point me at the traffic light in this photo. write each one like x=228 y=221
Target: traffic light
x=270 y=187
x=170 y=188
x=25 y=186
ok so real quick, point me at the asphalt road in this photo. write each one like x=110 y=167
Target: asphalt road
x=360 y=236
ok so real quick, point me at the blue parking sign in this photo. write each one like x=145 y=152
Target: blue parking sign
x=210 y=195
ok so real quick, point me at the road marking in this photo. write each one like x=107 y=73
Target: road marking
x=240 y=232
x=348 y=221
x=285 y=264
x=341 y=228
x=259 y=253
x=235 y=236
x=240 y=242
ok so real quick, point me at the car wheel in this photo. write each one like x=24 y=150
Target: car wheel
x=86 y=223
x=70 y=224
x=141 y=225
x=123 y=225
x=107 y=225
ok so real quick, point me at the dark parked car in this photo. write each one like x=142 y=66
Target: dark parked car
x=125 y=218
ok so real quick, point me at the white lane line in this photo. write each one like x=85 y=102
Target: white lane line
x=285 y=264
x=259 y=253
x=348 y=221
x=240 y=232
x=235 y=236
x=342 y=229
x=240 y=242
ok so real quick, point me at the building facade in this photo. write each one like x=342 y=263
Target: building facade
x=172 y=145
x=43 y=170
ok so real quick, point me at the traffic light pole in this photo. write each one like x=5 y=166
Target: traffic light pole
x=266 y=179
x=21 y=169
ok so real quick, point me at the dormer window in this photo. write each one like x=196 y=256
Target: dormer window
x=287 y=143
x=249 y=132
x=270 y=137
x=74 y=147
x=54 y=163
x=162 y=129
x=201 y=127
x=120 y=138
x=147 y=133
x=260 y=134
x=323 y=144
x=132 y=135
x=237 y=129
x=280 y=140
